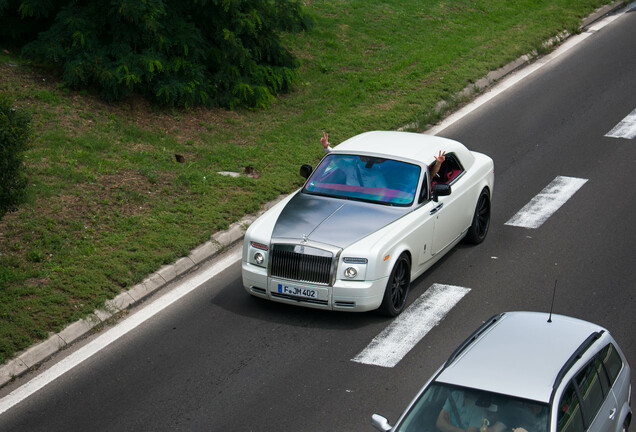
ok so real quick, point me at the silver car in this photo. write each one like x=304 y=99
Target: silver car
x=526 y=371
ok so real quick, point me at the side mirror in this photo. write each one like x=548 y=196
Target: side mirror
x=380 y=423
x=441 y=189
x=306 y=171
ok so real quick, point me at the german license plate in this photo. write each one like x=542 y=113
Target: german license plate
x=297 y=292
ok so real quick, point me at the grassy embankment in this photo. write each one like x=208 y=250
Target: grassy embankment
x=109 y=204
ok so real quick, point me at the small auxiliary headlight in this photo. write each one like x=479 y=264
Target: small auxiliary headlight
x=259 y=258
x=349 y=260
x=259 y=246
x=350 y=272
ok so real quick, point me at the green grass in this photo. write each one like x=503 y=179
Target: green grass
x=109 y=204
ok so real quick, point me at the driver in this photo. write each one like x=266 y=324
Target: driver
x=460 y=413
x=524 y=416
x=379 y=179
x=359 y=171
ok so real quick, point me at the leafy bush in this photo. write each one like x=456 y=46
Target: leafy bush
x=14 y=135
x=184 y=53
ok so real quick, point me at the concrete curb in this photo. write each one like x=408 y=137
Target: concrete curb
x=493 y=77
x=601 y=12
x=35 y=355
x=38 y=353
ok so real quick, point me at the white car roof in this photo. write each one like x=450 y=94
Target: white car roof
x=404 y=145
x=521 y=355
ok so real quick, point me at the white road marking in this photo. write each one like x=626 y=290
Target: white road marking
x=625 y=129
x=519 y=75
x=395 y=341
x=163 y=302
x=115 y=333
x=548 y=201
x=508 y=82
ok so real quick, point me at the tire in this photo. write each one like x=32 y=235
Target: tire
x=481 y=219
x=397 y=287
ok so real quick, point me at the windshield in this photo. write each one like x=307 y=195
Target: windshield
x=365 y=178
x=443 y=408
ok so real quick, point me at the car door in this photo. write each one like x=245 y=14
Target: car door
x=425 y=231
x=452 y=213
x=598 y=399
x=444 y=214
x=569 y=415
x=421 y=237
x=618 y=375
x=589 y=403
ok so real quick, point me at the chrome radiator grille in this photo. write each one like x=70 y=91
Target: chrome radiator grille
x=287 y=263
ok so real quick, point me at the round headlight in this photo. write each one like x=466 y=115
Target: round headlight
x=259 y=258
x=351 y=272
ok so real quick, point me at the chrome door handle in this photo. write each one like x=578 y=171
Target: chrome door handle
x=612 y=414
x=436 y=209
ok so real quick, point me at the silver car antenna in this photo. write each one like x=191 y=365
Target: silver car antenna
x=552 y=306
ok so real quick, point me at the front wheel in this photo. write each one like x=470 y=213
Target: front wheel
x=481 y=219
x=397 y=287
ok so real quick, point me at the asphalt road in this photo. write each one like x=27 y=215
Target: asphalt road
x=219 y=360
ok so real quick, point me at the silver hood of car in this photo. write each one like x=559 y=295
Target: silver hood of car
x=331 y=221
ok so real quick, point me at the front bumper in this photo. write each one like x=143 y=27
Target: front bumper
x=351 y=296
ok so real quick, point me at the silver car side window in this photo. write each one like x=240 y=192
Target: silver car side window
x=612 y=362
x=592 y=397
x=570 y=418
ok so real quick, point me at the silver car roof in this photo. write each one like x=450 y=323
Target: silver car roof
x=520 y=355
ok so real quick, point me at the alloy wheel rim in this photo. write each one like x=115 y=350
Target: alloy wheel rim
x=399 y=284
x=483 y=216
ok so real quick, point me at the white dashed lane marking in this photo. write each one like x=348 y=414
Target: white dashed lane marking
x=395 y=341
x=625 y=129
x=548 y=201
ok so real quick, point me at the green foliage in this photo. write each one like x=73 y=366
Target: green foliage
x=14 y=135
x=176 y=53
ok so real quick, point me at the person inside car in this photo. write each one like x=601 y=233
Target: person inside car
x=434 y=169
x=461 y=413
x=523 y=416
